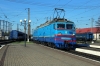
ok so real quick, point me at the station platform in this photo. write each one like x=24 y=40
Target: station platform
x=95 y=45
x=39 y=55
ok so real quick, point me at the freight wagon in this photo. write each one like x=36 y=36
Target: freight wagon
x=17 y=35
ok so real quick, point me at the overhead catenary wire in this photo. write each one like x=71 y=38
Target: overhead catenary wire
x=52 y=5
x=56 y=3
x=66 y=3
x=19 y=13
x=47 y=6
x=85 y=11
x=3 y=13
x=83 y=6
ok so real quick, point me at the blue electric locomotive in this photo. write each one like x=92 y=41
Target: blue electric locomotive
x=59 y=33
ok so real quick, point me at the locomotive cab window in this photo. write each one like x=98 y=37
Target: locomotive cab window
x=69 y=26
x=60 y=26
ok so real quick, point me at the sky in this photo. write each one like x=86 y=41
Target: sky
x=80 y=12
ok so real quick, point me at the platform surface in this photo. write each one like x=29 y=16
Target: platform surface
x=38 y=55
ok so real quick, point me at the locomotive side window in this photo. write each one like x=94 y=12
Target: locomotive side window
x=69 y=26
x=60 y=26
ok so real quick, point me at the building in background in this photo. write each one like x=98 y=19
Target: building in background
x=95 y=30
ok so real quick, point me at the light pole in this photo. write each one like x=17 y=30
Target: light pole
x=92 y=20
x=24 y=24
x=29 y=26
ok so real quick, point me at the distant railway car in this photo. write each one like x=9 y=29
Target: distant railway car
x=16 y=35
x=58 y=33
x=1 y=33
x=88 y=36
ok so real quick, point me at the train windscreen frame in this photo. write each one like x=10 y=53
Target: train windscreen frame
x=69 y=26
x=60 y=26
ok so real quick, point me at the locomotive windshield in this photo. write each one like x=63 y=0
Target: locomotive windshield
x=69 y=26
x=64 y=26
x=61 y=26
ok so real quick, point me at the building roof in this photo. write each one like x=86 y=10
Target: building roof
x=84 y=30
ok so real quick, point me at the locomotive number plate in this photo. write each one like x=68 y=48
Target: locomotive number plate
x=64 y=38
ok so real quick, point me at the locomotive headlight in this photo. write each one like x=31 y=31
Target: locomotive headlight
x=59 y=33
x=73 y=34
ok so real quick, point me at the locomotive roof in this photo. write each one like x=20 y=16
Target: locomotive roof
x=53 y=21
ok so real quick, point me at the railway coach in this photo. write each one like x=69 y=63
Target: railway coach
x=17 y=35
x=58 y=33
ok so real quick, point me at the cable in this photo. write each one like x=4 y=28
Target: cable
x=67 y=3
x=47 y=5
x=19 y=13
x=81 y=5
x=84 y=12
x=56 y=3
x=3 y=13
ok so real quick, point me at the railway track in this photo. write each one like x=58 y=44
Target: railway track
x=91 y=48
x=4 y=42
x=87 y=52
x=79 y=53
x=86 y=55
x=82 y=54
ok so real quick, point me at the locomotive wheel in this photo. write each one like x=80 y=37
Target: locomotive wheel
x=42 y=43
x=68 y=49
x=49 y=44
x=54 y=46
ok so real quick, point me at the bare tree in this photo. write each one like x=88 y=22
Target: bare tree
x=98 y=26
x=98 y=22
